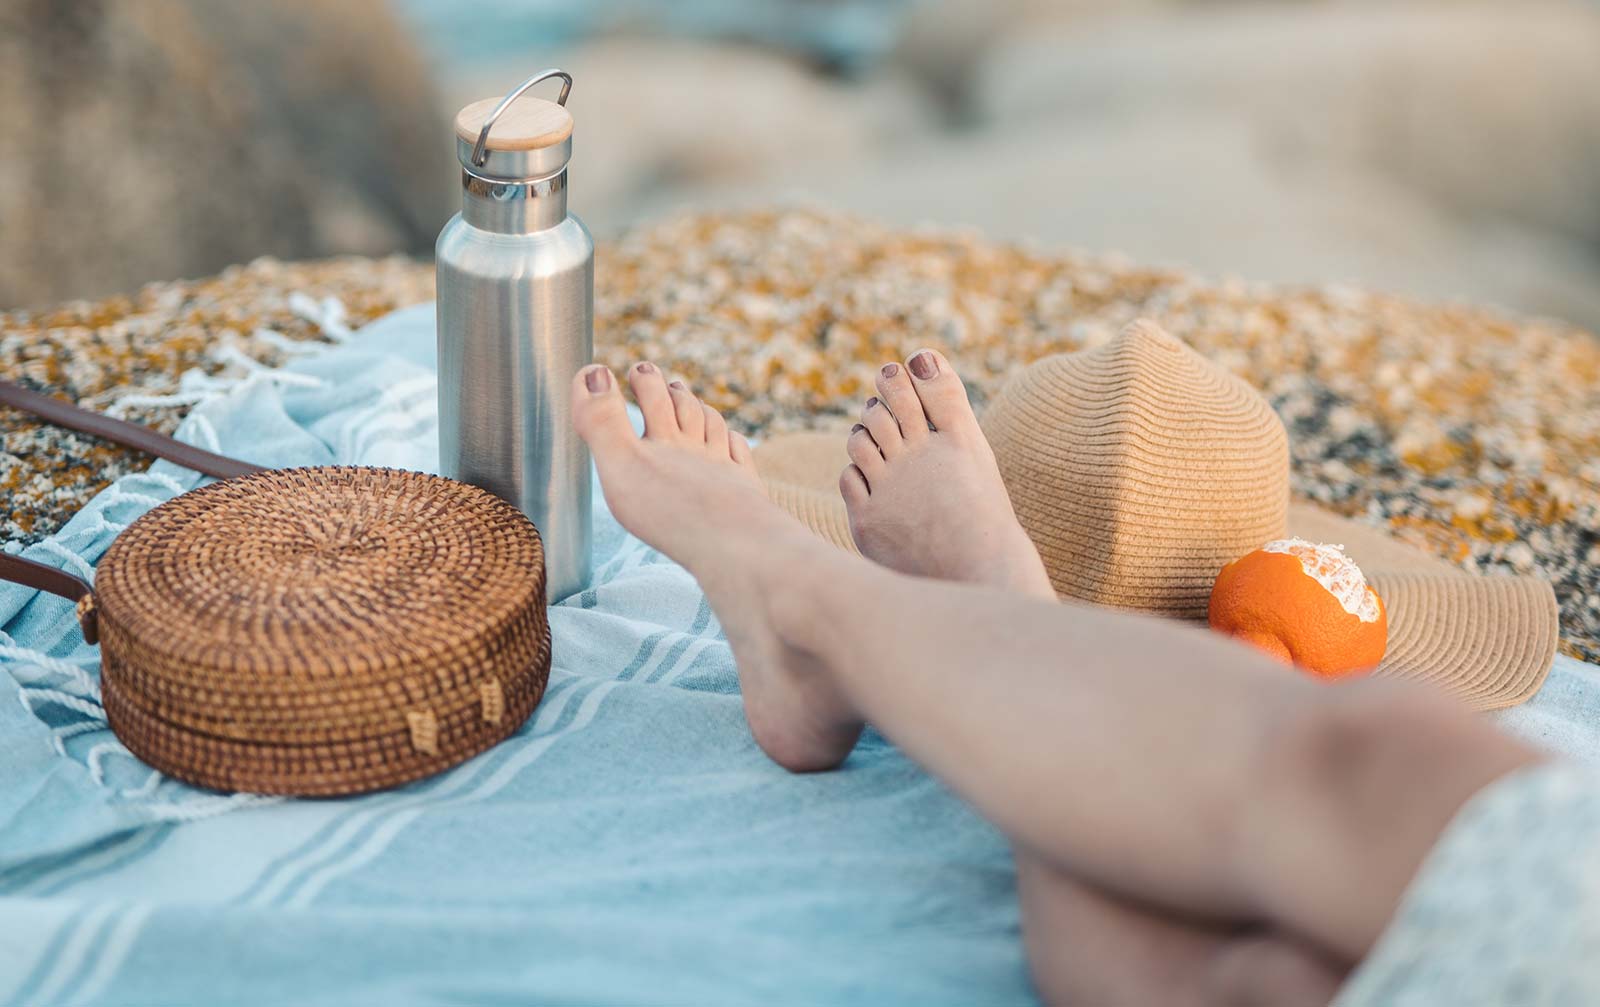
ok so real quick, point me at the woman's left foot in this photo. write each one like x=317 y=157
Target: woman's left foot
x=689 y=488
x=923 y=491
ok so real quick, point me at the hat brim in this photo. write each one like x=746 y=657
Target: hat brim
x=1489 y=641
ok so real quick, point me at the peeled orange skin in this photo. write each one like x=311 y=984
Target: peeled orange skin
x=1267 y=600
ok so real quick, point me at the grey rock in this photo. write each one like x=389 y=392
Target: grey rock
x=1490 y=110
x=172 y=137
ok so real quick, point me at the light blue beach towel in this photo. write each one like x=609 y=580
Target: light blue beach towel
x=630 y=845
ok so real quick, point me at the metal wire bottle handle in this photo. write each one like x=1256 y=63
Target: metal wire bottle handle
x=479 y=154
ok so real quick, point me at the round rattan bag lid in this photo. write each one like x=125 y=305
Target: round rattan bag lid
x=321 y=631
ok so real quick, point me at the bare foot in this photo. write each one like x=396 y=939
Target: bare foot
x=923 y=490
x=689 y=488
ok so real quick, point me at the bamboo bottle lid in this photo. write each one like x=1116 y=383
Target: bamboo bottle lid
x=516 y=138
x=530 y=124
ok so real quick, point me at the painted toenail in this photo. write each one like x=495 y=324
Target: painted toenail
x=890 y=370
x=857 y=429
x=678 y=385
x=645 y=367
x=924 y=365
x=597 y=380
x=872 y=402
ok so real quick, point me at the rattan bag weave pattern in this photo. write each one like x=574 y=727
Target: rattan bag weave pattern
x=312 y=631
x=321 y=631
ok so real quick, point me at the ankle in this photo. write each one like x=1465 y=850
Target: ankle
x=1024 y=572
x=804 y=589
x=796 y=603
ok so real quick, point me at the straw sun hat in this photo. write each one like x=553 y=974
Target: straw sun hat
x=1140 y=469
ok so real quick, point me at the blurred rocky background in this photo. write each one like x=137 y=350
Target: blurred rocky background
x=166 y=138
x=1446 y=149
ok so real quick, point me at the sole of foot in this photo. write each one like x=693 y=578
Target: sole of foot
x=923 y=491
x=688 y=487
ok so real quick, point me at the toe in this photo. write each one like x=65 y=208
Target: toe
x=739 y=451
x=716 y=432
x=863 y=451
x=655 y=402
x=599 y=413
x=853 y=486
x=894 y=388
x=943 y=396
x=691 y=415
x=879 y=421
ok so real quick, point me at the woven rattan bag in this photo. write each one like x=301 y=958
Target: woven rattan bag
x=311 y=631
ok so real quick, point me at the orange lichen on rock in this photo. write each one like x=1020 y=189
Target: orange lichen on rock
x=1465 y=432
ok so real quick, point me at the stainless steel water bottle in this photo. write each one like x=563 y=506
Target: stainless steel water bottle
x=516 y=322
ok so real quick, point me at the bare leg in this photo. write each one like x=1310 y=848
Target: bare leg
x=1088 y=947
x=925 y=497
x=1164 y=763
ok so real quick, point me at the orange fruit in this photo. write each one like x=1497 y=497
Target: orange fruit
x=1305 y=604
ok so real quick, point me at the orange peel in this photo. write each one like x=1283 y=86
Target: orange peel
x=1304 y=603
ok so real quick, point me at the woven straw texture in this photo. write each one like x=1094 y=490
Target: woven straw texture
x=1489 y=641
x=1159 y=469
x=321 y=631
x=1141 y=469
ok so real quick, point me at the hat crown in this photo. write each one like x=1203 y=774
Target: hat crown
x=1140 y=469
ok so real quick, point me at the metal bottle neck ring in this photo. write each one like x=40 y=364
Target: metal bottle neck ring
x=515 y=191
x=514 y=207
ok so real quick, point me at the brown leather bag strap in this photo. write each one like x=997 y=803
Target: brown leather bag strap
x=131 y=435
x=42 y=578
x=47 y=578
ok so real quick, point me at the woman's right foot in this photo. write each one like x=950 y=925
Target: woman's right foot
x=923 y=491
x=689 y=488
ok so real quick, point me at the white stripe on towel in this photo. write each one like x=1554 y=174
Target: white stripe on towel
x=73 y=953
x=686 y=661
x=113 y=952
x=309 y=860
x=381 y=837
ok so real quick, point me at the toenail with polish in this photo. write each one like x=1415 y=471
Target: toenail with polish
x=857 y=429
x=890 y=370
x=872 y=402
x=597 y=380
x=924 y=365
x=646 y=367
x=678 y=384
